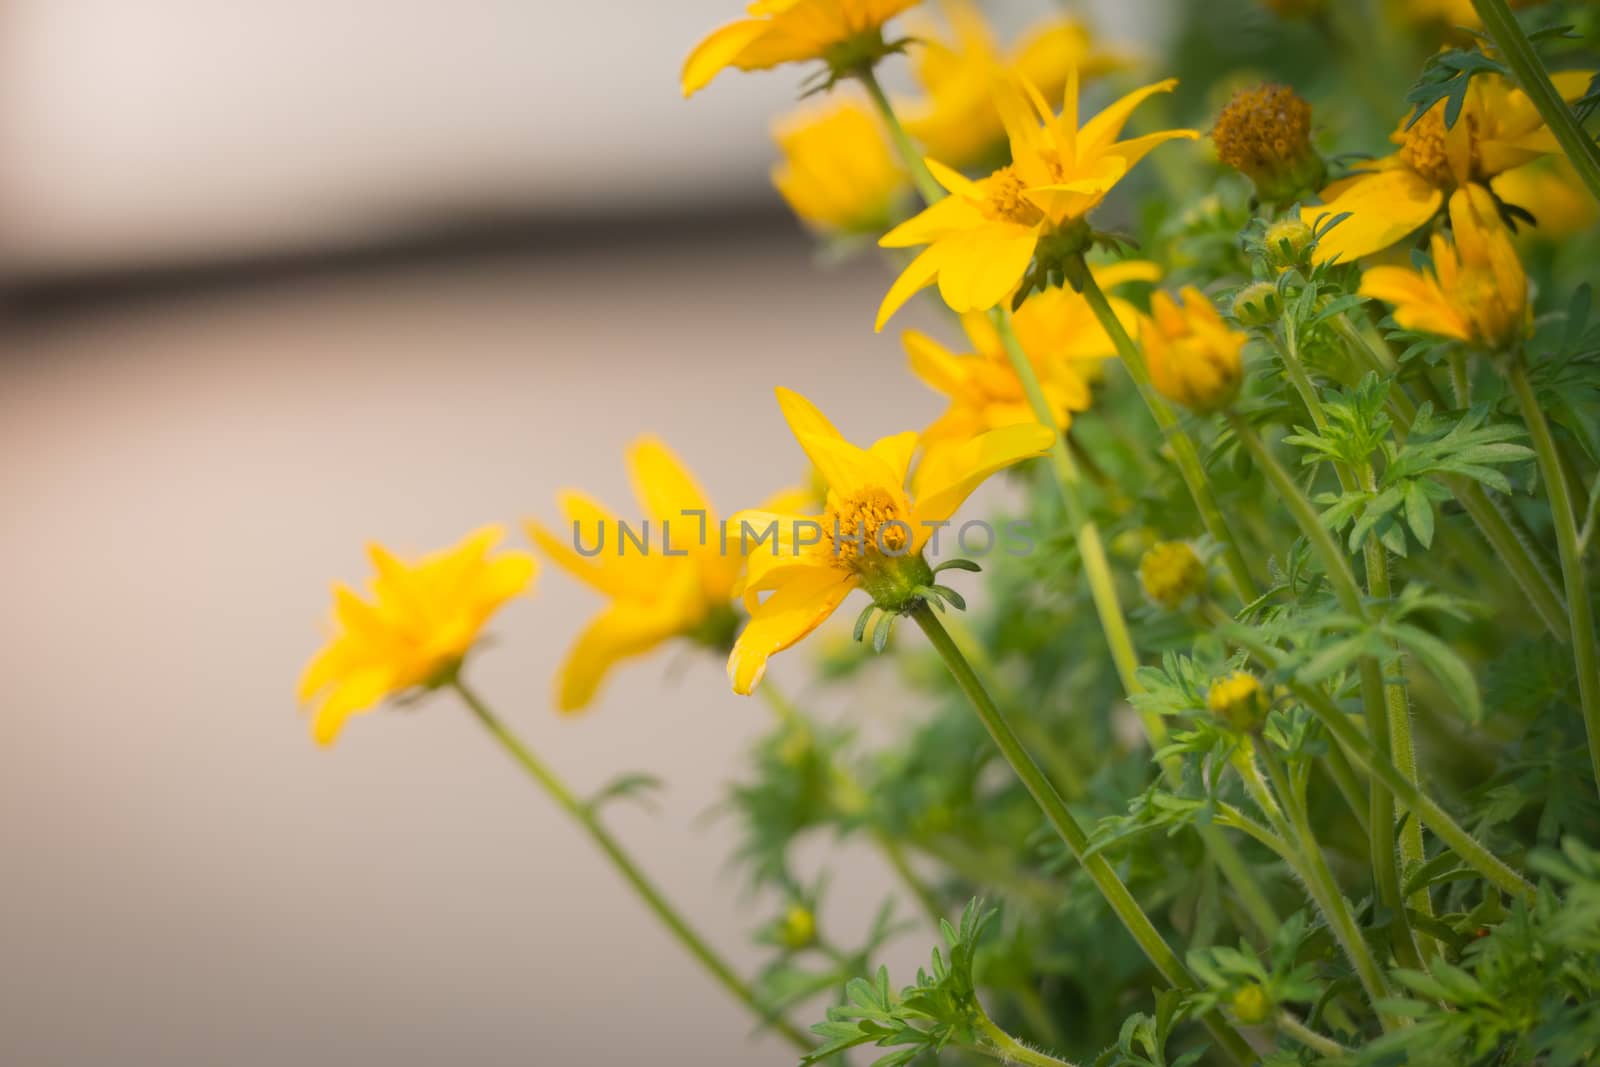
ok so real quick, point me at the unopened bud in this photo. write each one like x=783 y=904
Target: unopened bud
x=1257 y=304
x=1171 y=573
x=1239 y=701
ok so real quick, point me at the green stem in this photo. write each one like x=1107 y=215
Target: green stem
x=1113 y=623
x=1008 y=1049
x=893 y=854
x=1183 y=448
x=1324 y=887
x=1299 y=1031
x=1100 y=872
x=1580 y=608
x=1454 y=836
x=1381 y=823
x=641 y=883
x=1492 y=522
x=1519 y=54
x=921 y=176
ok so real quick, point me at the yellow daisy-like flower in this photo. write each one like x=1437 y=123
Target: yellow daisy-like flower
x=838 y=174
x=982 y=238
x=956 y=119
x=1498 y=129
x=1194 y=356
x=871 y=535
x=843 y=33
x=1063 y=340
x=1477 y=290
x=666 y=577
x=420 y=619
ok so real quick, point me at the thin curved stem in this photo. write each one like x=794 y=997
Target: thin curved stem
x=1299 y=1031
x=1519 y=54
x=893 y=854
x=1183 y=448
x=1010 y=1050
x=647 y=890
x=1580 y=608
x=1111 y=887
x=921 y=176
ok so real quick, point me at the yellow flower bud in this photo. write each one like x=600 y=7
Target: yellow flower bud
x=1257 y=304
x=1288 y=243
x=1194 y=356
x=1252 y=1005
x=799 y=928
x=1265 y=134
x=838 y=173
x=1239 y=701
x=1171 y=573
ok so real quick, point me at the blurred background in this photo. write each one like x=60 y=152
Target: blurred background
x=283 y=277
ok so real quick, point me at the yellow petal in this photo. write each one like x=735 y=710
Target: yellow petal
x=915 y=278
x=1418 y=302
x=849 y=470
x=663 y=485
x=1099 y=132
x=616 y=634
x=1383 y=208
x=896 y=451
x=985 y=267
x=355 y=693
x=712 y=55
x=972 y=463
x=953 y=214
x=803 y=416
x=788 y=615
x=935 y=364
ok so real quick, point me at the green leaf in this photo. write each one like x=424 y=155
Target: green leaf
x=1419 y=514
x=1444 y=663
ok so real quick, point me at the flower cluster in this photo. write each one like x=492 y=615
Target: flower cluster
x=1303 y=444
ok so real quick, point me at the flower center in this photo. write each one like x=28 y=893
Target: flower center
x=1425 y=147
x=1265 y=134
x=864 y=528
x=1006 y=202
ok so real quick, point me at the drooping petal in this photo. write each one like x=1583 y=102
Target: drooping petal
x=986 y=266
x=354 y=693
x=972 y=463
x=915 y=278
x=935 y=364
x=1383 y=207
x=789 y=614
x=618 y=633
x=718 y=51
x=1418 y=302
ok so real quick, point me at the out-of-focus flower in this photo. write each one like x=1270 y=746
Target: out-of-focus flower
x=1171 y=573
x=843 y=33
x=1194 y=356
x=982 y=238
x=1550 y=190
x=417 y=623
x=1448 y=13
x=1252 y=1005
x=1063 y=340
x=1498 y=129
x=1265 y=134
x=838 y=174
x=1257 y=304
x=956 y=119
x=678 y=585
x=1239 y=701
x=1476 y=291
x=871 y=534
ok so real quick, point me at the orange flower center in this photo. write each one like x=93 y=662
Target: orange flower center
x=1263 y=130
x=864 y=526
x=1006 y=202
x=1424 y=147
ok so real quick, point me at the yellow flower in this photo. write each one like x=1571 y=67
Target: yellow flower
x=1239 y=701
x=1265 y=134
x=1550 y=190
x=844 y=33
x=666 y=576
x=871 y=535
x=982 y=238
x=1171 y=573
x=1448 y=12
x=956 y=119
x=1194 y=356
x=1064 y=341
x=1477 y=290
x=419 y=621
x=1498 y=129
x=838 y=172
x=1252 y=1005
